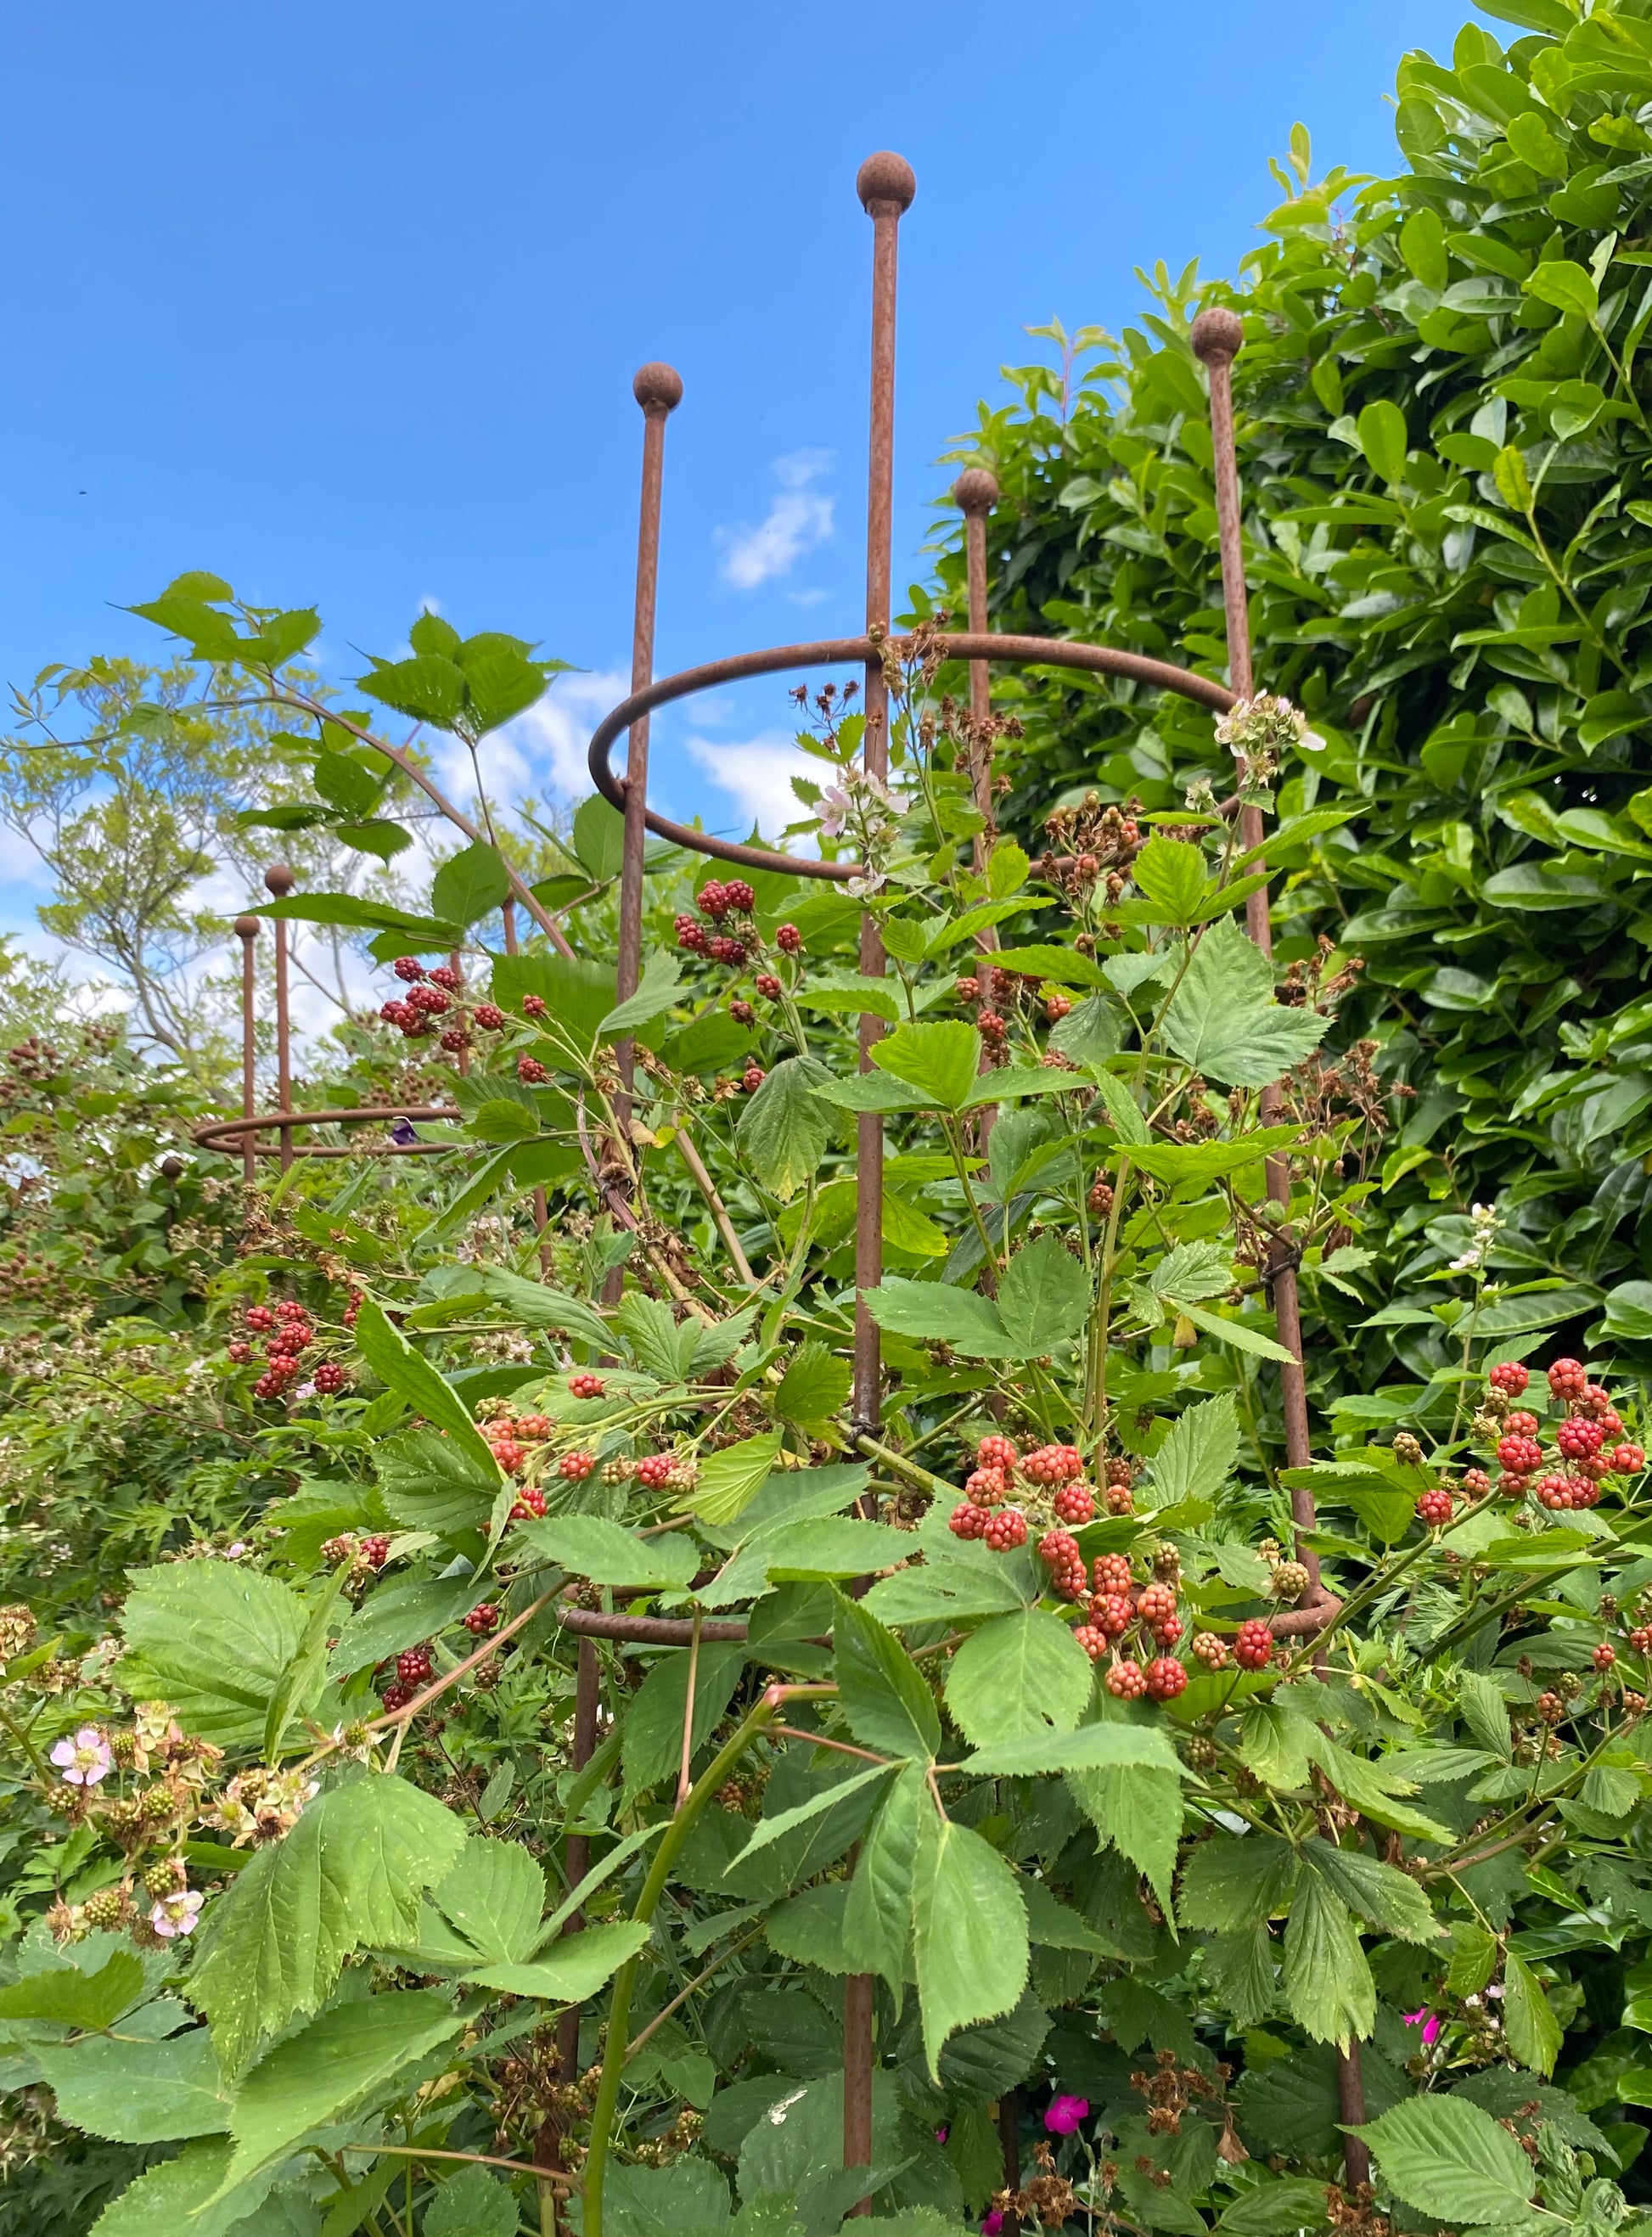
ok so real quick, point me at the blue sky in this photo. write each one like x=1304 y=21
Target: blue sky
x=343 y=301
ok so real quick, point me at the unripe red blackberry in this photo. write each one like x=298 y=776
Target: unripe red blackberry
x=1511 y=1377
x=712 y=899
x=1567 y=1378
x=1579 y=1439
x=967 y=1521
x=334 y=1550
x=1212 y=1650
x=789 y=939
x=408 y=968
x=530 y=1070
x=995 y=1451
x=1111 y=1613
x=455 y=1039
x=1054 y=1464
x=241 y=1353
x=986 y=1486
x=375 y=1550
x=1554 y=1492
x=396 y=1696
x=574 y=1467
x=1168 y=1630
x=1059 y=1548
x=415 y=1666
x=752 y=1078
x=1551 y=1709
x=1435 y=1508
x=1093 y=1642
x=488 y=1017
x=482 y=1619
x=534 y=1426
x=430 y=1001
x=1585 y=1491
x=1071 y=1583
x=1126 y=1682
x=1119 y=1499
x=768 y=985
x=740 y=897
x=1627 y=1459
x=743 y=1013
x=1005 y=1530
x=1604 y=1655
x=395 y=1013
x=415 y=1026
x=534 y=1006
x=1520 y=1425
x=722 y=949
x=993 y=1027
x=1074 y=1504
x=259 y=1318
x=509 y=1455
x=967 y=988
x=1112 y=1573
x=654 y=1471
x=529 y=1504
x=1641 y=1638
x=1253 y=1645
x=329 y=1377
x=1596 y=1402
x=1156 y=1603
x=1611 y=1423
x=290 y=1309
x=1100 y=1199
x=443 y=974
x=690 y=933
x=1056 y=1007
x=586 y=1386
x=1476 y=1482
x=1165 y=1678
x=1513 y=1487
x=1520 y=1455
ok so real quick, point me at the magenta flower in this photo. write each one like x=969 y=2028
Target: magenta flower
x=1065 y=2114
x=992 y=2225
x=1431 y=2023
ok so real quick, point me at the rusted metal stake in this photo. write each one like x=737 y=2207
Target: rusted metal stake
x=975 y=493
x=247 y=932
x=659 y=389
x=885 y=185
x=280 y=882
x=1217 y=337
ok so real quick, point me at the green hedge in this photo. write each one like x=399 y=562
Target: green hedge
x=1446 y=448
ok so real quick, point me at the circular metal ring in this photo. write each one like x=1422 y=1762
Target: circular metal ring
x=831 y=652
x=221 y=1133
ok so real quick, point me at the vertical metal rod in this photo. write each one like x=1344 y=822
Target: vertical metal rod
x=1217 y=337
x=659 y=389
x=247 y=931
x=885 y=185
x=975 y=493
x=280 y=882
x=541 y=1208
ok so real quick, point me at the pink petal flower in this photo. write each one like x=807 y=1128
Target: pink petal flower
x=1065 y=2114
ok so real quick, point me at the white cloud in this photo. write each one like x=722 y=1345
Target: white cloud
x=799 y=519
x=543 y=750
x=757 y=776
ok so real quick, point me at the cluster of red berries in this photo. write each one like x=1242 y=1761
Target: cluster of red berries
x=483 y=1619
x=433 y=994
x=1589 y=1439
x=586 y=1386
x=414 y=1667
x=289 y=1332
x=507 y=1436
x=1053 y=1473
x=716 y=900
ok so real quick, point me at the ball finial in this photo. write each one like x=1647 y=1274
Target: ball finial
x=1216 y=336
x=279 y=879
x=975 y=489
x=885 y=178
x=248 y=927
x=657 y=387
